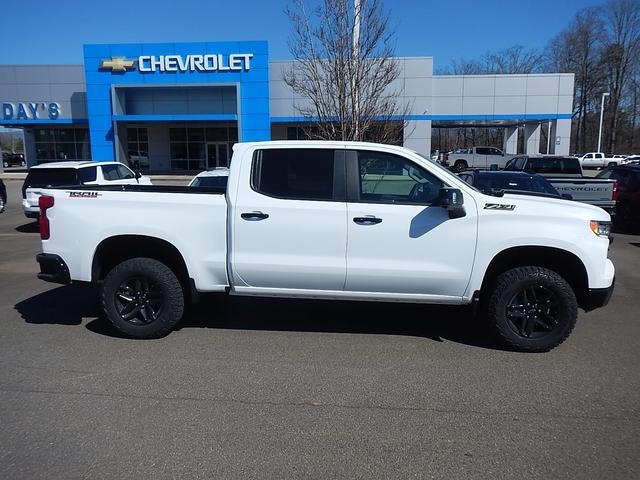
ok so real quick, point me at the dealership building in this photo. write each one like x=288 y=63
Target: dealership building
x=182 y=106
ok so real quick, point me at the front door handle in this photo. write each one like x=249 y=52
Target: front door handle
x=254 y=216
x=367 y=220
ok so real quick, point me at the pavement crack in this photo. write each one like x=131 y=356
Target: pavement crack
x=316 y=404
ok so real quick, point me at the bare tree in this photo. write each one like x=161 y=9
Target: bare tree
x=512 y=60
x=345 y=70
x=621 y=52
x=577 y=50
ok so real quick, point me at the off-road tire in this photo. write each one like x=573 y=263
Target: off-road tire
x=459 y=166
x=505 y=289
x=167 y=283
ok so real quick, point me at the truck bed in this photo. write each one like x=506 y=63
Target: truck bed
x=193 y=219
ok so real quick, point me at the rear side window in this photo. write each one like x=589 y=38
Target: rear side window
x=42 y=177
x=294 y=173
x=483 y=151
x=87 y=175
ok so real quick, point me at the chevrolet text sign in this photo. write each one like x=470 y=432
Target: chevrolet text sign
x=179 y=63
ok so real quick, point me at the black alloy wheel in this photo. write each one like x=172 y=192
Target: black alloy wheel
x=139 y=300
x=533 y=312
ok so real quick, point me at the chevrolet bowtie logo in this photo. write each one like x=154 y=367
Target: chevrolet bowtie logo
x=117 y=64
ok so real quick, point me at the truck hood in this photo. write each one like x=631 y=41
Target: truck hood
x=552 y=207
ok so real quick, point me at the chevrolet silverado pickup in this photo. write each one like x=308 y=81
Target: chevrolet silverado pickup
x=566 y=176
x=477 y=157
x=331 y=220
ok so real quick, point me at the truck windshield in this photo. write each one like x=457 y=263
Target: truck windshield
x=524 y=183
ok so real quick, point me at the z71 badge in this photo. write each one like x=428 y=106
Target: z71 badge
x=84 y=194
x=498 y=206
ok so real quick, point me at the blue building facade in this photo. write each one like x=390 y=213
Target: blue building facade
x=115 y=71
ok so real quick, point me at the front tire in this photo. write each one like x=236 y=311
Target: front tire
x=459 y=166
x=142 y=298
x=532 y=309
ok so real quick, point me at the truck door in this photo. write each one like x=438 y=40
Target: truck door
x=289 y=222
x=398 y=242
x=480 y=157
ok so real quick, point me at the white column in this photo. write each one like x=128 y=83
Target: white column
x=30 y=152
x=510 y=140
x=562 y=137
x=417 y=136
x=532 y=139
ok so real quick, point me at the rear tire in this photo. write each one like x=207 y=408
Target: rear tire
x=532 y=309
x=142 y=298
x=459 y=166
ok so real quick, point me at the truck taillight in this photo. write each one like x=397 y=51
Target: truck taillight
x=45 y=202
x=614 y=193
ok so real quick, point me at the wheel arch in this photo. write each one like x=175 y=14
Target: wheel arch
x=564 y=263
x=114 y=250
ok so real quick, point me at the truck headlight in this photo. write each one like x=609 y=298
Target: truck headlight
x=602 y=229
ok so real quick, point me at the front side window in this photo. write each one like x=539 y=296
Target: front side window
x=387 y=178
x=124 y=173
x=294 y=173
x=110 y=172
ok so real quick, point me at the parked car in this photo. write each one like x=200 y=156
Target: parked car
x=632 y=159
x=216 y=177
x=599 y=160
x=477 y=157
x=74 y=173
x=565 y=174
x=13 y=160
x=333 y=220
x=492 y=182
x=628 y=204
x=3 y=196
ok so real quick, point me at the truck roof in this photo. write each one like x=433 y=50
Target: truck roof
x=71 y=164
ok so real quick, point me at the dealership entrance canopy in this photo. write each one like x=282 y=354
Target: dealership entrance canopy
x=182 y=106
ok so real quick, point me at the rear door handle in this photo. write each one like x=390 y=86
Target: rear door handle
x=367 y=220
x=254 y=216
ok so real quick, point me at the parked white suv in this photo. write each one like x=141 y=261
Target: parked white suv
x=74 y=173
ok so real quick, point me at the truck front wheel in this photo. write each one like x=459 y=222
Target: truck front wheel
x=459 y=166
x=532 y=309
x=142 y=298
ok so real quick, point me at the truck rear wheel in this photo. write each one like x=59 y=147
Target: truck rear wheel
x=532 y=309
x=459 y=166
x=142 y=298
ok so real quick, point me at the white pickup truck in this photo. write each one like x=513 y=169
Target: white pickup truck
x=599 y=160
x=477 y=157
x=331 y=220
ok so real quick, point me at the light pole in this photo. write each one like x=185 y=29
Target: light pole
x=605 y=94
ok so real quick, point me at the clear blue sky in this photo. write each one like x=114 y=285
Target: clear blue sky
x=37 y=31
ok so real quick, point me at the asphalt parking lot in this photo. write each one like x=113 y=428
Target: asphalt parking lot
x=290 y=389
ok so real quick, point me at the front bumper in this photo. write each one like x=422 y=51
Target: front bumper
x=53 y=269
x=598 y=297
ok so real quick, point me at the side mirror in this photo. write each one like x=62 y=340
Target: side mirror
x=493 y=167
x=567 y=196
x=138 y=174
x=453 y=201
